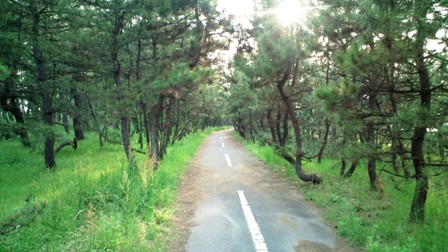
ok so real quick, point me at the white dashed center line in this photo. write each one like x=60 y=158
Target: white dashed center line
x=257 y=237
x=228 y=160
x=222 y=144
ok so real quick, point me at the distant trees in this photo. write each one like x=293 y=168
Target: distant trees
x=358 y=81
x=280 y=68
x=384 y=61
x=129 y=65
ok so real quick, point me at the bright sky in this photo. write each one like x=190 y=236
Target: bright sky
x=238 y=8
x=290 y=12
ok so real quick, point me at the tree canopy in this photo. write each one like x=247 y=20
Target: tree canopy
x=352 y=80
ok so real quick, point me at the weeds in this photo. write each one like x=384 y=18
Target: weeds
x=94 y=201
x=364 y=217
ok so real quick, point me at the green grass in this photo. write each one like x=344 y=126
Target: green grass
x=92 y=201
x=367 y=220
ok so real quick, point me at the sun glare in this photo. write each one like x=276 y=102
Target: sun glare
x=289 y=12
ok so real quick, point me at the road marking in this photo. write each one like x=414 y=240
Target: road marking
x=228 y=160
x=257 y=237
x=220 y=138
x=222 y=144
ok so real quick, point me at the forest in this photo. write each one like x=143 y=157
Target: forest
x=100 y=97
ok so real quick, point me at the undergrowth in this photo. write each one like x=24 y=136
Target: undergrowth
x=92 y=201
x=367 y=219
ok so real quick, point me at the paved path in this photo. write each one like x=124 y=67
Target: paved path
x=239 y=204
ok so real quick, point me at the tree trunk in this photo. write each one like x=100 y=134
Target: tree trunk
x=239 y=126
x=156 y=111
x=124 y=121
x=195 y=47
x=421 y=175
x=77 y=115
x=65 y=123
x=98 y=127
x=296 y=126
x=370 y=137
x=272 y=128
x=327 y=125
x=145 y=123
x=324 y=141
x=50 y=161
x=45 y=94
x=285 y=129
x=343 y=165
x=73 y=143
x=77 y=128
x=371 y=163
x=167 y=127
x=352 y=169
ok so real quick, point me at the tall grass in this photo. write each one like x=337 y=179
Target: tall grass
x=367 y=219
x=92 y=201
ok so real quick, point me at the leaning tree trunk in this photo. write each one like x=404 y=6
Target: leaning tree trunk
x=324 y=141
x=352 y=169
x=296 y=126
x=327 y=124
x=421 y=176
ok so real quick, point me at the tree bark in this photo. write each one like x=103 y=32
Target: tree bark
x=156 y=111
x=65 y=122
x=327 y=125
x=77 y=115
x=124 y=120
x=296 y=126
x=73 y=143
x=239 y=126
x=370 y=136
x=284 y=135
x=195 y=47
x=167 y=128
x=272 y=127
x=421 y=175
x=343 y=165
x=371 y=163
x=145 y=123
x=45 y=94
x=352 y=169
x=324 y=141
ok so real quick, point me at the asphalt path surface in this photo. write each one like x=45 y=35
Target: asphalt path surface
x=230 y=201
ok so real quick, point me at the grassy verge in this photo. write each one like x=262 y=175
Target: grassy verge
x=366 y=219
x=92 y=201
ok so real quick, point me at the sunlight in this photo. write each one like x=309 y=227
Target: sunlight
x=290 y=12
x=239 y=8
